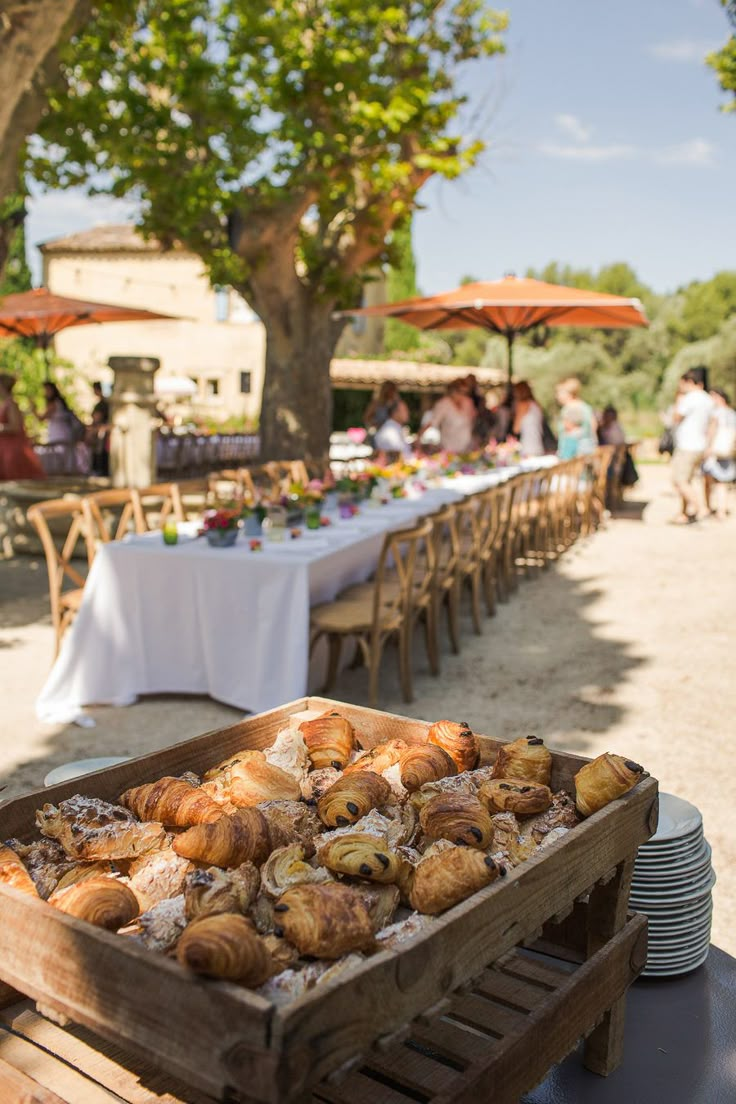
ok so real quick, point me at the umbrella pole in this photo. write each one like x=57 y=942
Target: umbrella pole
x=510 y=335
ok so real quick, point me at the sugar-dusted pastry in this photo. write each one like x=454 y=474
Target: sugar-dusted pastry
x=159 y=928
x=318 y=783
x=361 y=856
x=465 y=783
x=46 y=862
x=459 y=818
x=157 y=876
x=508 y=841
x=330 y=740
x=325 y=921
x=380 y=757
x=381 y=901
x=561 y=814
x=287 y=867
x=225 y=946
x=88 y=828
x=351 y=797
x=247 y=779
x=393 y=936
x=425 y=763
x=444 y=879
x=229 y=841
x=171 y=801
x=289 y=753
x=13 y=872
x=105 y=902
x=284 y=955
x=526 y=758
x=291 y=822
x=262 y=914
x=458 y=741
x=212 y=891
x=511 y=795
x=606 y=778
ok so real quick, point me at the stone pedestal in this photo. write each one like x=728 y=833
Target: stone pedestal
x=134 y=422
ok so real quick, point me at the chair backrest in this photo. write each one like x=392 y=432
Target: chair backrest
x=191 y=496
x=60 y=525
x=446 y=545
x=469 y=519
x=407 y=557
x=232 y=483
x=158 y=502
x=110 y=515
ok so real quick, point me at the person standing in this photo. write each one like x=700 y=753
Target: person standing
x=454 y=416
x=528 y=423
x=98 y=434
x=577 y=430
x=719 y=466
x=691 y=419
x=17 y=458
x=386 y=418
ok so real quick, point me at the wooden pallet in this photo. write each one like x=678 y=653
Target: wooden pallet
x=222 y=1038
x=497 y=1038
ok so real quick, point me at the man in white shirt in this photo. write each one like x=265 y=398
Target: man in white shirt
x=692 y=415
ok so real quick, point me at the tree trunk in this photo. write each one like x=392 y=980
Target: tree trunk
x=296 y=409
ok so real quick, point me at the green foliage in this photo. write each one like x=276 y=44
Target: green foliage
x=401 y=283
x=28 y=365
x=15 y=275
x=705 y=306
x=724 y=61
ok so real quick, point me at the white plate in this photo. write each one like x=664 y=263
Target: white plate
x=677 y=818
x=80 y=767
x=659 y=926
x=671 y=897
x=678 y=944
x=670 y=875
x=675 y=971
x=677 y=911
x=679 y=958
x=671 y=847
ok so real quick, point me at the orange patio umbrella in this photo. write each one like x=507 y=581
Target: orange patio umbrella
x=512 y=306
x=40 y=315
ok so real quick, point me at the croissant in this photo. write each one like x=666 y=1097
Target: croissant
x=287 y=867
x=249 y=778
x=13 y=872
x=225 y=946
x=325 y=921
x=351 y=797
x=104 y=902
x=229 y=841
x=606 y=778
x=173 y=802
x=330 y=739
x=526 y=758
x=507 y=795
x=80 y=872
x=458 y=741
x=423 y=764
x=362 y=856
x=380 y=758
x=88 y=828
x=459 y=818
x=444 y=879
x=210 y=892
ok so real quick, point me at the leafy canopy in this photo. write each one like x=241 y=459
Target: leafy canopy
x=280 y=127
x=724 y=61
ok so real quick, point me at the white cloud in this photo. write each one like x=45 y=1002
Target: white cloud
x=614 y=152
x=574 y=128
x=697 y=151
x=682 y=50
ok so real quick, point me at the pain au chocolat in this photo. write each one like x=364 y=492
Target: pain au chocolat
x=606 y=778
x=526 y=758
x=330 y=740
x=458 y=740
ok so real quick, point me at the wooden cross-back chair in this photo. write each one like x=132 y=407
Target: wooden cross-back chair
x=60 y=525
x=233 y=483
x=109 y=516
x=158 y=502
x=596 y=506
x=391 y=605
x=491 y=518
x=469 y=522
x=445 y=582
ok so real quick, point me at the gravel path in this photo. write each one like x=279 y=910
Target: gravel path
x=625 y=645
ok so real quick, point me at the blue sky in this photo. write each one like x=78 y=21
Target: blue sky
x=605 y=143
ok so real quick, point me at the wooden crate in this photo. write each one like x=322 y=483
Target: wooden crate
x=220 y=1037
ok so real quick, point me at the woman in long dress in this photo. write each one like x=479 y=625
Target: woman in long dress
x=17 y=458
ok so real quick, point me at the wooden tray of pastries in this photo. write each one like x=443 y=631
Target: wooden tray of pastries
x=256 y=907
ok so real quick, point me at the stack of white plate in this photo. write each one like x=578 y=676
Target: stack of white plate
x=672 y=884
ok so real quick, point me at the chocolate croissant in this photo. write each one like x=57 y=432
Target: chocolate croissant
x=380 y=758
x=229 y=841
x=606 y=778
x=526 y=758
x=330 y=740
x=173 y=802
x=325 y=921
x=425 y=763
x=458 y=741
x=225 y=946
x=13 y=873
x=515 y=796
x=89 y=828
x=213 y=891
x=104 y=902
x=247 y=779
x=459 y=818
x=351 y=797
x=445 y=879
x=362 y=856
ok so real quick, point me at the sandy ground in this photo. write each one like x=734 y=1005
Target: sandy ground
x=626 y=645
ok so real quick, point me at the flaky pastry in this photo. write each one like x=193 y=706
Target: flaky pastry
x=287 y=867
x=230 y=841
x=511 y=795
x=225 y=946
x=444 y=879
x=361 y=856
x=606 y=778
x=526 y=758
x=459 y=818
x=351 y=797
x=458 y=740
x=13 y=872
x=88 y=828
x=213 y=891
x=325 y=921
x=105 y=902
x=171 y=801
x=425 y=763
x=380 y=757
x=330 y=740
x=247 y=779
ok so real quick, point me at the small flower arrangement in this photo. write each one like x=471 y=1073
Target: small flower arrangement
x=222 y=519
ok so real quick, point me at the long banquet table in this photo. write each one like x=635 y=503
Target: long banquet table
x=230 y=623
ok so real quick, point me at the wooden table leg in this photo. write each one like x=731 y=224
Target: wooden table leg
x=607 y=911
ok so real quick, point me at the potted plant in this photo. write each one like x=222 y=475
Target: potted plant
x=221 y=527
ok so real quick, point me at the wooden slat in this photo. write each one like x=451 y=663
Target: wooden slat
x=511 y=991
x=18 y=1088
x=452 y=1039
x=51 y=1073
x=484 y=1014
x=411 y=1069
